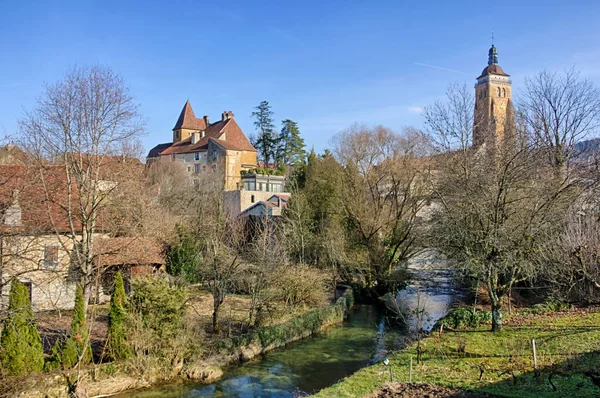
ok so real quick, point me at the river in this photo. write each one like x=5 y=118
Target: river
x=306 y=366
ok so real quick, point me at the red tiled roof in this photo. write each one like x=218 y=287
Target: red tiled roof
x=43 y=194
x=129 y=251
x=187 y=119
x=493 y=69
x=234 y=139
x=41 y=209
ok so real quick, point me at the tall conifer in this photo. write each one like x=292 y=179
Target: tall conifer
x=77 y=347
x=21 y=345
x=116 y=344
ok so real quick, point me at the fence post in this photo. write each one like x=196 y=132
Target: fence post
x=534 y=354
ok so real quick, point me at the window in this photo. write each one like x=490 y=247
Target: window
x=252 y=199
x=197 y=156
x=498 y=92
x=189 y=169
x=197 y=168
x=260 y=186
x=503 y=92
x=50 y=256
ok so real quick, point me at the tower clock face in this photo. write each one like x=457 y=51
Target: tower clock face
x=503 y=105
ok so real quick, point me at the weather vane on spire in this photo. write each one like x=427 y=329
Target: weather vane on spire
x=492 y=37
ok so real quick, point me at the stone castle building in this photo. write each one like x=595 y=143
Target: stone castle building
x=221 y=147
x=494 y=113
x=208 y=147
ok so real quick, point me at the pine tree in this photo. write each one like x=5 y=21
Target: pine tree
x=116 y=343
x=77 y=347
x=22 y=350
x=266 y=142
x=291 y=144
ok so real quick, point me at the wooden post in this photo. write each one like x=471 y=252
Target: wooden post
x=410 y=371
x=534 y=354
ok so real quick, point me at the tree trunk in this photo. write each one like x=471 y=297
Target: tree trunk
x=496 y=315
x=217 y=301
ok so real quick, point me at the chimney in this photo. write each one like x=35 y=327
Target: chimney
x=195 y=137
x=202 y=134
x=227 y=115
x=206 y=120
x=12 y=215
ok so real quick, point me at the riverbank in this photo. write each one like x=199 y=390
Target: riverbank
x=500 y=364
x=113 y=378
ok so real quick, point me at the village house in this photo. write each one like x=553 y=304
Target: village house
x=36 y=244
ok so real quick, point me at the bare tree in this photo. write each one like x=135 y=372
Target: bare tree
x=560 y=110
x=82 y=132
x=384 y=188
x=574 y=261
x=496 y=208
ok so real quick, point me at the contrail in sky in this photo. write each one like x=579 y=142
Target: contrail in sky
x=439 y=67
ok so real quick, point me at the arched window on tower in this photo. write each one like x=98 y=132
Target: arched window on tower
x=503 y=92
x=498 y=92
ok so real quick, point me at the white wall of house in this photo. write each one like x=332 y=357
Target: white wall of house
x=42 y=263
x=236 y=202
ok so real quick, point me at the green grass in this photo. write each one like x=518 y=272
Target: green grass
x=568 y=345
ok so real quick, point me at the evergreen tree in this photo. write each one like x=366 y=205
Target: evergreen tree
x=183 y=257
x=291 y=144
x=21 y=343
x=77 y=346
x=116 y=344
x=266 y=142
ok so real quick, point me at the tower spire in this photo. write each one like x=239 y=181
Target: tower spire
x=493 y=55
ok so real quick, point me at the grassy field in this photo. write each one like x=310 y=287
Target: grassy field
x=501 y=364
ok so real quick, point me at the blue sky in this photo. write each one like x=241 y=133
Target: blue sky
x=326 y=64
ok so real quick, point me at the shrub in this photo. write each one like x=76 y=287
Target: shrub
x=156 y=332
x=116 y=344
x=160 y=305
x=183 y=256
x=461 y=318
x=300 y=285
x=550 y=305
x=77 y=348
x=21 y=343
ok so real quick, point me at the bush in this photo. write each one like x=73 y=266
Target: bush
x=160 y=305
x=77 y=347
x=183 y=256
x=115 y=343
x=21 y=343
x=156 y=332
x=462 y=318
x=549 y=306
x=300 y=285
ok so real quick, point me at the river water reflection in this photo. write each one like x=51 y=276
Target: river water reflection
x=306 y=366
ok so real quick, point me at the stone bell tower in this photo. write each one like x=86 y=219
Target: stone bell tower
x=494 y=114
